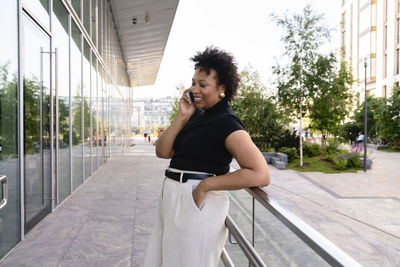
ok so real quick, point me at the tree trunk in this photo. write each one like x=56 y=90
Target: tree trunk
x=301 y=137
x=323 y=143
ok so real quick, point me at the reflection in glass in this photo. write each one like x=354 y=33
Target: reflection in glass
x=36 y=84
x=94 y=114
x=9 y=215
x=76 y=91
x=106 y=119
x=86 y=15
x=76 y=4
x=40 y=10
x=94 y=22
x=60 y=41
x=86 y=109
x=100 y=26
x=105 y=33
x=100 y=114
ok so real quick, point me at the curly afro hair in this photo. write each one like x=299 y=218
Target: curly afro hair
x=224 y=65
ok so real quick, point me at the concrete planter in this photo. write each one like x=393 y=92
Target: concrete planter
x=279 y=160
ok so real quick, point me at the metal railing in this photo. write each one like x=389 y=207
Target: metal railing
x=324 y=248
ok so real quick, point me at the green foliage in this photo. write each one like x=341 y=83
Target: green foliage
x=315 y=164
x=63 y=121
x=259 y=114
x=291 y=152
x=383 y=120
x=390 y=120
x=304 y=34
x=349 y=131
x=330 y=156
x=311 y=150
x=341 y=164
x=354 y=162
x=375 y=109
x=175 y=106
x=77 y=119
x=331 y=95
x=344 y=160
x=8 y=113
x=332 y=147
x=287 y=138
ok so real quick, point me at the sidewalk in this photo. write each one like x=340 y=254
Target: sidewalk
x=359 y=212
x=107 y=222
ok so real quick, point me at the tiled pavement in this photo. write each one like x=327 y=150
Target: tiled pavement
x=108 y=220
x=359 y=212
x=105 y=223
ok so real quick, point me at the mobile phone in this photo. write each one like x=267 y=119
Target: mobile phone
x=190 y=96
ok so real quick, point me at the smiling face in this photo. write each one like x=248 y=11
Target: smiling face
x=205 y=89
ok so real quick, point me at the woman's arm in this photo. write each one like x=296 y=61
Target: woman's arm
x=164 y=146
x=254 y=169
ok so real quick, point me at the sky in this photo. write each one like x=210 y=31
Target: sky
x=241 y=27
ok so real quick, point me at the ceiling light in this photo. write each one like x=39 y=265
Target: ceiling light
x=147 y=19
x=134 y=20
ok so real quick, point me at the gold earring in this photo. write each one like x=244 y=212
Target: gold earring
x=222 y=95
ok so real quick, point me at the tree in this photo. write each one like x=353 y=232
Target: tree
x=175 y=106
x=390 y=120
x=330 y=94
x=8 y=112
x=259 y=114
x=375 y=108
x=304 y=34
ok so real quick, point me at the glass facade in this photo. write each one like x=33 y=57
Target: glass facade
x=69 y=99
x=61 y=42
x=36 y=106
x=86 y=110
x=76 y=106
x=10 y=218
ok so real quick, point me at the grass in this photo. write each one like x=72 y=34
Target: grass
x=316 y=164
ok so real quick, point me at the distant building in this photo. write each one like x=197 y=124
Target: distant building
x=149 y=112
x=370 y=30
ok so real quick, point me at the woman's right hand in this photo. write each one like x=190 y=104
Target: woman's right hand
x=186 y=110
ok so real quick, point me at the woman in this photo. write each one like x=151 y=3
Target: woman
x=190 y=228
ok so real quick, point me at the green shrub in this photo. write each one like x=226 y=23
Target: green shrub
x=353 y=161
x=311 y=150
x=286 y=139
x=332 y=147
x=330 y=157
x=291 y=152
x=341 y=164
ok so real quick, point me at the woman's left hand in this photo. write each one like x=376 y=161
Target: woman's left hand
x=198 y=195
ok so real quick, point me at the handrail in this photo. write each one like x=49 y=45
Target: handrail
x=317 y=242
x=244 y=244
x=226 y=259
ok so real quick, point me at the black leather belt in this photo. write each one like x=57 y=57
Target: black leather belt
x=186 y=176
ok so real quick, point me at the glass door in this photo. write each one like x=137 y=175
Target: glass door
x=9 y=179
x=36 y=87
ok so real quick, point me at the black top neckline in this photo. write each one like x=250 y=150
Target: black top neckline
x=219 y=106
x=200 y=145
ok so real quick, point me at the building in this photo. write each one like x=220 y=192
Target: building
x=67 y=71
x=370 y=31
x=148 y=112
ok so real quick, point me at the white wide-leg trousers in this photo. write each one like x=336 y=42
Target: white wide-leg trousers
x=184 y=235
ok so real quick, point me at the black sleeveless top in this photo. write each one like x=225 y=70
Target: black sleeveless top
x=200 y=145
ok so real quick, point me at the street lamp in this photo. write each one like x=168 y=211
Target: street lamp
x=365 y=116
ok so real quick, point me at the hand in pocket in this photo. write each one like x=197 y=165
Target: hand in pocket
x=198 y=196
